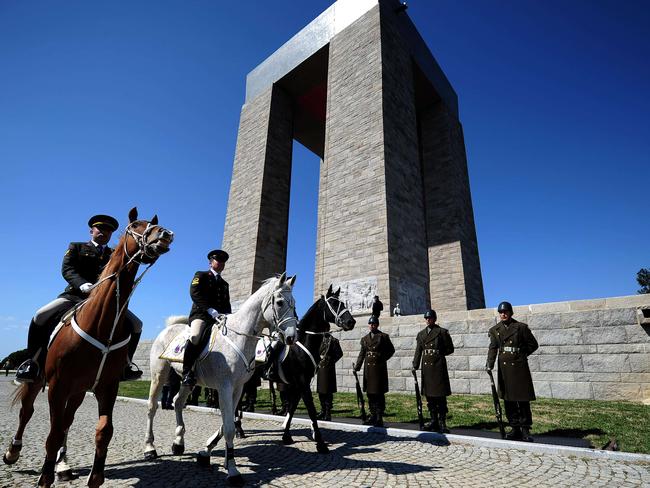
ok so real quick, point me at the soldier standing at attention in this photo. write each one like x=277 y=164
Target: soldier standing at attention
x=514 y=342
x=376 y=350
x=433 y=343
x=377 y=306
x=211 y=298
x=330 y=353
x=83 y=262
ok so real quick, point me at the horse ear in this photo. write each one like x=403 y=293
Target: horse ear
x=329 y=291
x=283 y=278
x=337 y=292
x=292 y=280
x=154 y=221
x=133 y=214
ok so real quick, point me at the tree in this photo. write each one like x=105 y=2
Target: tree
x=643 y=278
x=16 y=358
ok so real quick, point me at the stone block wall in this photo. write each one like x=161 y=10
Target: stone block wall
x=589 y=349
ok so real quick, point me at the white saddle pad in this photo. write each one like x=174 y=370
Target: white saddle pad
x=260 y=349
x=175 y=350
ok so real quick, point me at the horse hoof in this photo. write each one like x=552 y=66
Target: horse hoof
x=64 y=475
x=178 y=449
x=237 y=480
x=240 y=434
x=7 y=460
x=150 y=455
x=203 y=459
x=322 y=448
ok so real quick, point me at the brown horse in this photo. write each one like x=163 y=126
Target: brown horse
x=89 y=353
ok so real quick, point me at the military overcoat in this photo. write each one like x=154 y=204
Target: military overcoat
x=432 y=345
x=82 y=263
x=330 y=353
x=513 y=344
x=208 y=291
x=376 y=350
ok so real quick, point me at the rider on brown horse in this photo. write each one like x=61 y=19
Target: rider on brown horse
x=82 y=264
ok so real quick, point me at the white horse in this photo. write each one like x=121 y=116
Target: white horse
x=228 y=366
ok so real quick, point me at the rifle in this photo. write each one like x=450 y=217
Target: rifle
x=360 y=402
x=274 y=406
x=497 y=405
x=418 y=399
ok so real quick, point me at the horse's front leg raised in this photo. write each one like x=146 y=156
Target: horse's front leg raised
x=178 y=447
x=103 y=432
x=26 y=394
x=307 y=397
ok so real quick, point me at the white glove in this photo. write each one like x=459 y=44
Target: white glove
x=214 y=313
x=86 y=287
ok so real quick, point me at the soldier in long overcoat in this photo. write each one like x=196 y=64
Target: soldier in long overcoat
x=433 y=343
x=210 y=298
x=376 y=350
x=513 y=342
x=330 y=353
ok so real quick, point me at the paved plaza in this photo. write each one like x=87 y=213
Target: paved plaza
x=356 y=459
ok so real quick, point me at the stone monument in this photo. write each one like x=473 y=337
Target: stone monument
x=358 y=87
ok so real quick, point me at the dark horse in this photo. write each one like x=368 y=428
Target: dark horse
x=89 y=353
x=301 y=363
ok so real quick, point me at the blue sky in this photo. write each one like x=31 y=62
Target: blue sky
x=109 y=105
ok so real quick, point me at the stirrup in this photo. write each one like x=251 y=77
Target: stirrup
x=28 y=371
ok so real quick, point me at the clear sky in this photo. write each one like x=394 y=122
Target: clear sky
x=109 y=105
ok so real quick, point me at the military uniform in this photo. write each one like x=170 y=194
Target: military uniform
x=330 y=353
x=513 y=343
x=210 y=297
x=83 y=262
x=376 y=350
x=432 y=345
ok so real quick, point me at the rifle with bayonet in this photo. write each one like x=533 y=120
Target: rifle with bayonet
x=360 y=401
x=497 y=405
x=418 y=399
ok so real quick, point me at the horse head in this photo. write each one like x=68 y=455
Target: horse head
x=336 y=312
x=280 y=309
x=148 y=239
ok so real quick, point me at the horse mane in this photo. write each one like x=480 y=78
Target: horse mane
x=310 y=311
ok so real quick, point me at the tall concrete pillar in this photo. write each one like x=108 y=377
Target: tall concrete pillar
x=395 y=214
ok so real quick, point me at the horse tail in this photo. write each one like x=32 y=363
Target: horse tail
x=176 y=319
x=19 y=394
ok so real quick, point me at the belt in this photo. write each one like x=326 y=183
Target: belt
x=513 y=350
x=430 y=352
x=372 y=354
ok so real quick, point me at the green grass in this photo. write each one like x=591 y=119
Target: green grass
x=595 y=421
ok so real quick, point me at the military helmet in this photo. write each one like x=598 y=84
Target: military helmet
x=373 y=320
x=430 y=314
x=504 y=307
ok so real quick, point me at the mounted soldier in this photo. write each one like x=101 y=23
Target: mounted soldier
x=376 y=350
x=210 y=298
x=513 y=342
x=433 y=343
x=83 y=262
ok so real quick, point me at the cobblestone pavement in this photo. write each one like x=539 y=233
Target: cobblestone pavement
x=355 y=460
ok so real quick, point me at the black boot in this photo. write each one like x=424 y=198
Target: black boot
x=191 y=353
x=433 y=425
x=514 y=434
x=30 y=370
x=166 y=401
x=525 y=435
x=129 y=373
x=443 y=424
x=328 y=412
x=270 y=371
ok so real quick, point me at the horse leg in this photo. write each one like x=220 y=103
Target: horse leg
x=152 y=406
x=293 y=404
x=63 y=471
x=178 y=447
x=234 y=477
x=307 y=397
x=103 y=432
x=55 y=438
x=239 y=414
x=203 y=457
x=26 y=394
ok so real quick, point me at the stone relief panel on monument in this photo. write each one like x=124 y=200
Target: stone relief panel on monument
x=358 y=294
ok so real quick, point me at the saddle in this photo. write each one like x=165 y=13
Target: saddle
x=59 y=320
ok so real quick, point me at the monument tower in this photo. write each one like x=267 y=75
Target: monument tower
x=359 y=88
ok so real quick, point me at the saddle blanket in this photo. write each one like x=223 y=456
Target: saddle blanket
x=175 y=350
